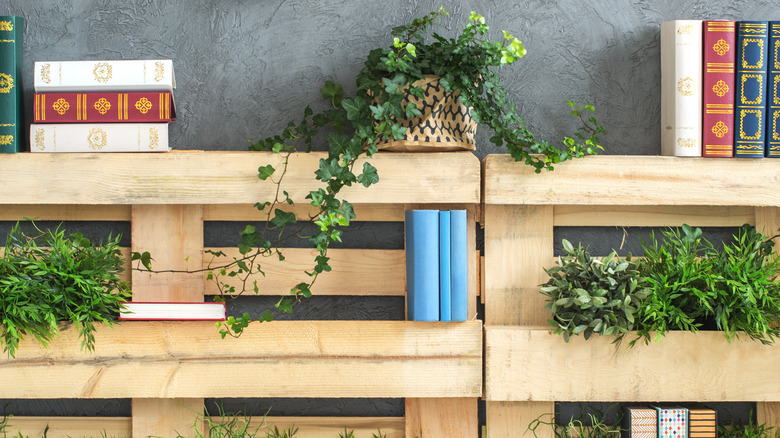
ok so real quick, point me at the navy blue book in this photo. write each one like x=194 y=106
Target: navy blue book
x=751 y=92
x=459 y=265
x=773 y=100
x=422 y=265
x=445 y=306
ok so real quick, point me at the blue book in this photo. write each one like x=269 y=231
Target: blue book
x=445 y=306
x=459 y=265
x=751 y=93
x=773 y=100
x=422 y=265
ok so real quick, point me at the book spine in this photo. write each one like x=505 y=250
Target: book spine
x=99 y=137
x=445 y=301
x=84 y=76
x=459 y=264
x=750 y=95
x=103 y=107
x=422 y=265
x=640 y=423
x=773 y=88
x=11 y=113
x=718 y=88
x=673 y=423
x=681 y=88
x=703 y=423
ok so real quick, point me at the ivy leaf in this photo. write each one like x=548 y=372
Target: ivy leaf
x=282 y=218
x=264 y=172
x=333 y=92
x=399 y=132
x=369 y=175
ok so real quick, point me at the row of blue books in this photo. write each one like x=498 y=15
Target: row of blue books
x=436 y=265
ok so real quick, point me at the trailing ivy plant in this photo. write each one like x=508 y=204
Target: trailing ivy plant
x=48 y=278
x=588 y=295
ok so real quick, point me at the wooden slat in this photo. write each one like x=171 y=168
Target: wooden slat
x=246 y=212
x=66 y=427
x=634 y=180
x=155 y=417
x=355 y=272
x=682 y=367
x=768 y=223
x=197 y=177
x=511 y=419
x=65 y=212
x=331 y=427
x=284 y=358
x=452 y=417
x=768 y=413
x=651 y=216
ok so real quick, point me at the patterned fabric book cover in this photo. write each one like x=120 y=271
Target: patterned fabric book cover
x=702 y=423
x=640 y=422
x=773 y=100
x=148 y=107
x=751 y=82
x=718 y=119
x=673 y=423
x=11 y=114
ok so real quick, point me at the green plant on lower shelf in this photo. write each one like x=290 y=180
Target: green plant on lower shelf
x=737 y=429
x=588 y=295
x=595 y=426
x=48 y=279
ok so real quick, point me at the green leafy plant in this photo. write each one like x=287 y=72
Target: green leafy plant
x=737 y=429
x=588 y=295
x=48 y=278
x=595 y=425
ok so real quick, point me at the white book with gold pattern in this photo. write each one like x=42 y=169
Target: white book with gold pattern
x=123 y=75
x=99 y=137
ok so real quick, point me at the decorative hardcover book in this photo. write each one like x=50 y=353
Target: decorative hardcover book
x=422 y=264
x=84 y=76
x=673 y=423
x=681 y=88
x=103 y=107
x=459 y=265
x=11 y=114
x=99 y=137
x=773 y=99
x=640 y=422
x=445 y=273
x=147 y=311
x=702 y=423
x=750 y=95
x=718 y=119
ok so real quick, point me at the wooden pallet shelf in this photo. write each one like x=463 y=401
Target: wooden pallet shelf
x=527 y=368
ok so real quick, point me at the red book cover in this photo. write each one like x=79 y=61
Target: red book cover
x=719 y=52
x=104 y=107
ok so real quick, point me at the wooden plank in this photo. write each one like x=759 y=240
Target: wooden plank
x=355 y=272
x=518 y=244
x=633 y=180
x=173 y=234
x=331 y=427
x=768 y=413
x=674 y=370
x=768 y=223
x=453 y=417
x=65 y=212
x=198 y=177
x=166 y=417
x=66 y=427
x=285 y=358
x=246 y=212
x=651 y=216
x=512 y=419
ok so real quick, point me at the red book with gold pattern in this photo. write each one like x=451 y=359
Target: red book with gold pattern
x=104 y=107
x=719 y=52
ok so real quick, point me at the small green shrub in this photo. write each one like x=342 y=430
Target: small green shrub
x=740 y=430
x=594 y=427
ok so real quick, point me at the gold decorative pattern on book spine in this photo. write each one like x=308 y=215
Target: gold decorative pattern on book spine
x=124 y=106
x=143 y=105
x=758 y=78
x=97 y=138
x=776 y=48
x=159 y=71
x=742 y=134
x=6 y=83
x=102 y=105
x=154 y=138
x=6 y=140
x=686 y=86
x=6 y=25
x=776 y=94
x=84 y=106
x=46 y=73
x=720 y=88
x=720 y=129
x=61 y=106
x=40 y=139
x=103 y=72
x=685 y=29
x=775 y=134
x=119 y=106
x=721 y=47
x=78 y=107
x=687 y=142
x=745 y=43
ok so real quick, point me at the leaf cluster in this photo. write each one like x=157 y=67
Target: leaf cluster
x=48 y=278
x=588 y=295
x=738 y=429
x=595 y=426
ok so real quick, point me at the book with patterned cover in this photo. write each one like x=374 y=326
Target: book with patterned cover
x=11 y=113
x=99 y=137
x=681 y=88
x=773 y=88
x=719 y=53
x=123 y=75
x=702 y=423
x=103 y=107
x=640 y=422
x=672 y=422
x=751 y=93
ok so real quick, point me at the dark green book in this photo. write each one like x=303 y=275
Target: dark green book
x=11 y=122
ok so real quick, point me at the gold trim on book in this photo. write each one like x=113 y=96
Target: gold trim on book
x=102 y=105
x=760 y=64
x=78 y=107
x=6 y=83
x=161 y=111
x=721 y=47
x=6 y=25
x=119 y=106
x=7 y=41
x=6 y=140
x=759 y=78
x=720 y=88
x=84 y=106
x=61 y=106
x=742 y=134
x=720 y=129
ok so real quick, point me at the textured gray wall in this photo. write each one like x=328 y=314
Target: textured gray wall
x=245 y=68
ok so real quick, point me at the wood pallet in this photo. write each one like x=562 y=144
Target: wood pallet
x=167 y=368
x=527 y=368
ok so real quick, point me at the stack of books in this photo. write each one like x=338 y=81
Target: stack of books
x=11 y=122
x=720 y=83
x=436 y=265
x=674 y=422
x=102 y=106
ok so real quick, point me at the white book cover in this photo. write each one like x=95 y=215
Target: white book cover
x=85 y=76
x=99 y=137
x=681 y=88
x=149 y=311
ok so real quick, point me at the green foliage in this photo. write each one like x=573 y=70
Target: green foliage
x=594 y=427
x=48 y=278
x=588 y=295
x=740 y=430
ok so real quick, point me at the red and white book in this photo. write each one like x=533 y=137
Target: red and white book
x=104 y=107
x=186 y=311
x=720 y=53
